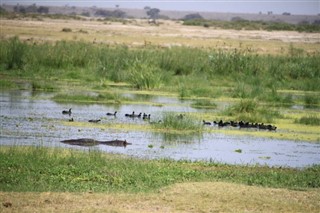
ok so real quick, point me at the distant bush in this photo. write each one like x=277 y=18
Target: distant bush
x=67 y=30
x=239 y=23
x=192 y=16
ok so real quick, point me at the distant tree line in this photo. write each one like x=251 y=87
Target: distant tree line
x=108 y=13
x=30 y=9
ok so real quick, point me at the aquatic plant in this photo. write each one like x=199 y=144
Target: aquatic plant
x=313 y=120
x=204 y=104
x=175 y=121
x=311 y=101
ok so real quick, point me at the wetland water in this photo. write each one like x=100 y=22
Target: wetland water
x=33 y=119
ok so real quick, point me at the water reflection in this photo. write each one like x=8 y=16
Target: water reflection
x=176 y=139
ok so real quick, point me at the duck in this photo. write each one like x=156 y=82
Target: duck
x=137 y=116
x=67 y=112
x=129 y=115
x=146 y=117
x=71 y=120
x=94 y=121
x=112 y=114
x=206 y=122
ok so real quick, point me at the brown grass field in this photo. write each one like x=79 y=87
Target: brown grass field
x=168 y=33
x=183 y=197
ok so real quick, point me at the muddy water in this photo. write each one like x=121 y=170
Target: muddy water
x=33 y=119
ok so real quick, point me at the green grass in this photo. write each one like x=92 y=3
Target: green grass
x=171 y=121
x=204 y=104
x=190 y=72
x=311 y=101
x=313 y=120
x=40 y=169
x=80 y=98
x=249 y=110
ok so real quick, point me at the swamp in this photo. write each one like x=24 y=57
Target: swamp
x=208 y=109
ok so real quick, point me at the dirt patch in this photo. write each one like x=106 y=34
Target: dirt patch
x=184 y=197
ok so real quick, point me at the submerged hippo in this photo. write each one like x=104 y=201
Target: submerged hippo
x=92 y=142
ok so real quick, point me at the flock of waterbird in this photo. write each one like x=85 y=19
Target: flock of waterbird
x=241 y=124
x=144 y=116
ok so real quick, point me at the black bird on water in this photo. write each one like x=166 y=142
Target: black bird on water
x=67 y=112
x=112 y=114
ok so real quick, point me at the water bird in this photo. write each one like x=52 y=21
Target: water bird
x=71 y=120
x=146 y=117
x=129 y=115
x=94 y=121
x=136 y=116
x=112 y=114
x=206 y=122
x=67 y=112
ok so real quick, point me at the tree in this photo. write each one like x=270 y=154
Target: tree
x=153 y=13
x=43 y=9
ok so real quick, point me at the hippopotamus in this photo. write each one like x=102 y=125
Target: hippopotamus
x=92 y=142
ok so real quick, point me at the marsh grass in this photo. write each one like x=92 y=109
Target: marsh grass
x=40 y=169
x=178 y=122
x=249 y=110
x=204 y=104
x=313 y=120
x=44 y=86
x=103 y=98
x=311 y=101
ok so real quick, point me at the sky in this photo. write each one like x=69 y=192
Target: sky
x=301 y=7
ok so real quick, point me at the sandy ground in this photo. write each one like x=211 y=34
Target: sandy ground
x=167 y=34
x=184 y=197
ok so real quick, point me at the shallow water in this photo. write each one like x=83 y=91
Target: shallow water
x=33 y=119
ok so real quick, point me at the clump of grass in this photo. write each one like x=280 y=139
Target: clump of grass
x=44 y=86
x=14 y=53
x=174 y=121
x=103 y=98
x=204 y=104
x=313 y=120
x=144 y=76
x=311 y=101
x=5 y=84
x=251 y=111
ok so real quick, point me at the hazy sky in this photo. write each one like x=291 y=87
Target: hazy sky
x=308 y=7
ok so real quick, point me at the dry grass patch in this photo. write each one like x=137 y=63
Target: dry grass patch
x=183 y=197
x=170 y=33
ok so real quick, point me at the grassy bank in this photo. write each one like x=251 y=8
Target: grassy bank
x=189 y=72
x=46 y=169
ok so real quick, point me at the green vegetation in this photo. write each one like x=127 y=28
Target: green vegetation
x=174 y=121
x=204 y=104
x=249 y=110
x=313 y=120
x=43 y=169
x=103 y=98
x=241 y=24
